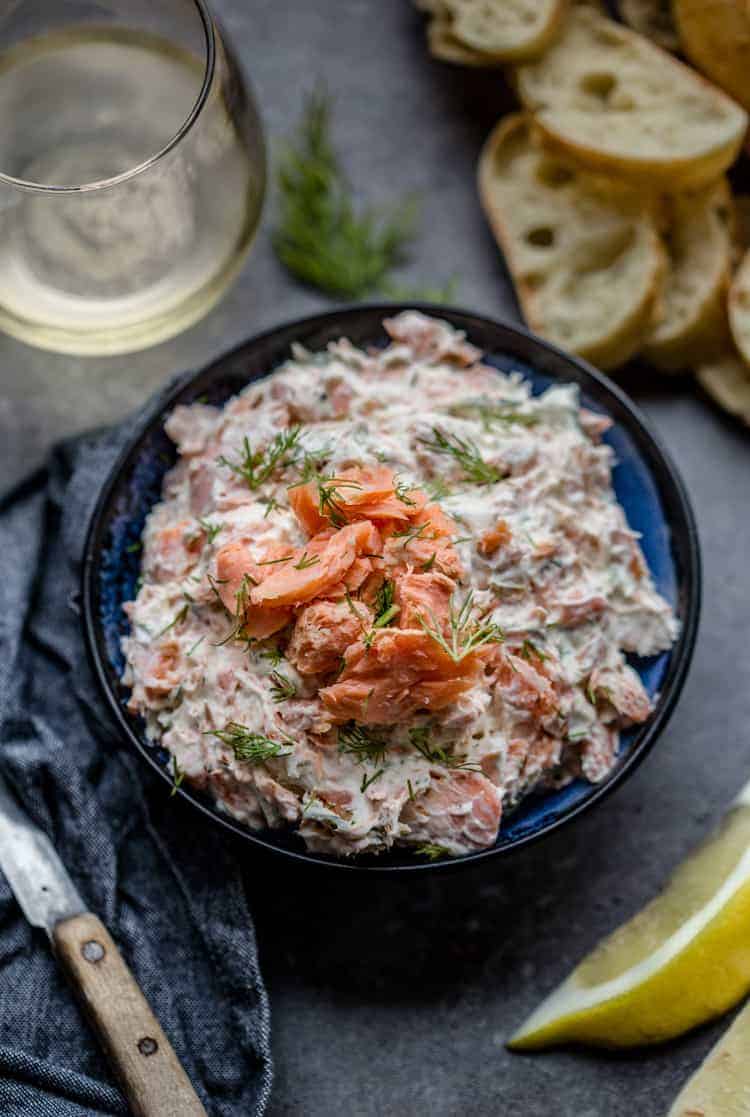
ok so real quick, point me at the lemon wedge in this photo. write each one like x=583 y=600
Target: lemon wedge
x=682 y=960
x=721 y=1085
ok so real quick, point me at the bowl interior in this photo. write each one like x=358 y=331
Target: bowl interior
x=645 y=484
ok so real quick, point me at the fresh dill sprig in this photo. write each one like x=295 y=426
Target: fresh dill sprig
x=437 y=489
x=256 y=466
x=271 y=504
x=529 y=649
x=177 y=619
x=362 y=743
x=282 y=688
x=385 y=606
x=211 y=530
x=402 y=491
x=177 y=777
x=252 y=748
x=306 y=561
x=475 y=468
x=466 y=633
x=275 y=656
x=492 y=412
x=432 y=851
x=367 y=781
x=321 y=238
x=330 y=498
x=410 y=533
x=197 y=643
x=420 y=739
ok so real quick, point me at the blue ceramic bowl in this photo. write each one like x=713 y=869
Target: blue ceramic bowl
x=645 y=480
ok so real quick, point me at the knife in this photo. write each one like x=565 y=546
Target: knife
x=149 y=1071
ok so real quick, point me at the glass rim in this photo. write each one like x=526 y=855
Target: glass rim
x=209 y=34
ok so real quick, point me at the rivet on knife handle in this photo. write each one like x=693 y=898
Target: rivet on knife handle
x=150 y=1073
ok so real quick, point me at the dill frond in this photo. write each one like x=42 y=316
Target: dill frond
x=256 y=466
x=362 y=743
x=475 y=468
x=252 y=748
x=466 y=633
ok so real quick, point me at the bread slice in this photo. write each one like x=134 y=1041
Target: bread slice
x=622 y=106
x=727 y=382
x=698 y=237
x=739 y=308
x=652 y=18
x=442 y=44
x=509 y=30
x=583 y=252
x=715 y=36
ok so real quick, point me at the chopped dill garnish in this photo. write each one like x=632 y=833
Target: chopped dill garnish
x=363 y=743
x=492 y=412
x=466 y=633
x=177 y=619
x=402 y=491
x=256 y=466
x=409 y=534
x=252 y=748
x=282 y=688
x=306 y=561
x=412 y=796
x=385 y=607
x=271 y=504
x=321 y=238
x=274 y=562
x=437 y=489
x=133 y=548
x=462 y=539
x=367 y=781
x=177 y=777
x=420 y=739
x=355 y=611
x=529 y=649
x=427 y=566
x=211 y=530
x=330 y=497
x=475 y=468
x=275 y=656
x=195 y=645
x=432 y=851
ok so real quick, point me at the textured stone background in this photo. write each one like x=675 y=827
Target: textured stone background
x=390 y=998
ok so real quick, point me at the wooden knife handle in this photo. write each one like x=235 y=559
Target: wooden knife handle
x=150 y=1073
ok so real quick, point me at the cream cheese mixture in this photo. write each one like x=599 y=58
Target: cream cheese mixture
x=387 y=594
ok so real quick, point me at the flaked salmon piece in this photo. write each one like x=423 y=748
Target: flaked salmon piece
x=323 y=632
x=573 y=611
x=300 y=581
x=400 y=672
x=494 y=538
x=236 y=574
x=621 y=688
x=175 y=551
x=423 y=595
x=359 y=493
x=521 y=685
x=426 y=543
x=461 y=810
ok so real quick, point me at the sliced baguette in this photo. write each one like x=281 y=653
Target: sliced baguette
x=652 y=18
x=622 y=106
x=508 y=30
x=584 y=253
x=693 y=325
x=442 y=44
x=739 y=308
x=727 y=381
x=715 y=36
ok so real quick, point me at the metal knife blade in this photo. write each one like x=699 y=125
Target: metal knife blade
x=33 y=870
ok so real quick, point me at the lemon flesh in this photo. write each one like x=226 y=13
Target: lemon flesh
x=682 y=960
x=721 y=1085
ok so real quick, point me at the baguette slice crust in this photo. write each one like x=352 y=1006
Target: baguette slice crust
x=727 y=381
x=442 y=44
x=693 y=326
x=584 y=253
x=653 y=19
x=715 y=36
x=508 y=30
x=739 y=308
x=622 y=106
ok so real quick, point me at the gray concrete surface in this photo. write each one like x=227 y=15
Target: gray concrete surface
x=395 y=999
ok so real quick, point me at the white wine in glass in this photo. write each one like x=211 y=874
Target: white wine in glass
x=132 y=171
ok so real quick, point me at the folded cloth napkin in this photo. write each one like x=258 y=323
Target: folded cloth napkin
x=162 y=880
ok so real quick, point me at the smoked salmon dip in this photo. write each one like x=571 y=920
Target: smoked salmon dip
x=387 y=594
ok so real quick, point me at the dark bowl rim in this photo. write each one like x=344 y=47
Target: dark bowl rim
x=669 y=477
